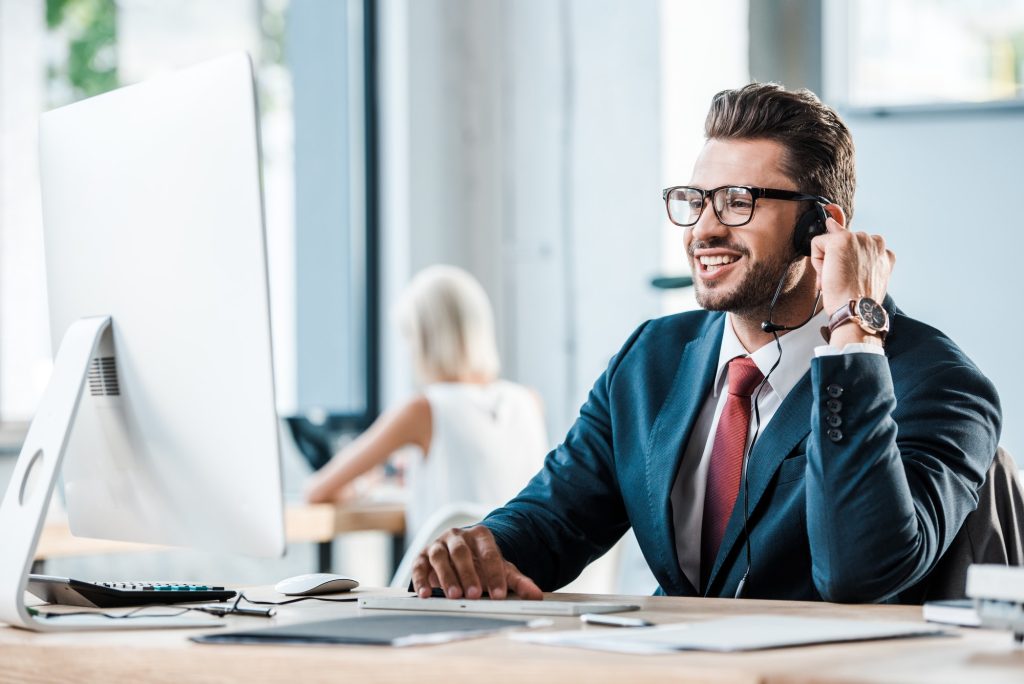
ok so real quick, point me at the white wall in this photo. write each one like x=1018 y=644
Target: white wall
x=25 y=346
x=944 y=190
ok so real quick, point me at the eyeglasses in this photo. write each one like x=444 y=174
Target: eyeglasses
x=734 y=204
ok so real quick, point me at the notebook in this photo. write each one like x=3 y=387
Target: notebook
x=954 y=612
x=373 y=630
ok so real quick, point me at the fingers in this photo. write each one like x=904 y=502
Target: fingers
x=424 y=579
x=465 y=563
x=466 y=581
x=491 y=565
x=441 y=564
x=833 y=226
x=818 y=258
x=819 y=243
x=523 y=586
x=850 y=264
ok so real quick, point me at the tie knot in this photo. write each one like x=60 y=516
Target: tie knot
x=744 y=376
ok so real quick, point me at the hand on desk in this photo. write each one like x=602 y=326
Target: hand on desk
x=370 y=488
x=316 y=494
x=464 y=562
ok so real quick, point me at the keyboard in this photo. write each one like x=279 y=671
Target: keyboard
x=71 y=592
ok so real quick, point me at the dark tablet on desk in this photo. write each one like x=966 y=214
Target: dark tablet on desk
x=373 y=630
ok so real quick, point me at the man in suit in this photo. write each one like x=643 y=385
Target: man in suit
x=751 y=456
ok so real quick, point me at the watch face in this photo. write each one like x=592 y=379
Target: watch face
x=871 y=313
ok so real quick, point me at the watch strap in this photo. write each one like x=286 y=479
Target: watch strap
x=848 y=314
x=843 y=314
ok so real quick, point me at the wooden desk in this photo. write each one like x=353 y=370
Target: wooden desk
x=975 y=656
x=317 y=523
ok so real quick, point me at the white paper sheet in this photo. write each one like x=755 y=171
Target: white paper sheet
x=741 y=633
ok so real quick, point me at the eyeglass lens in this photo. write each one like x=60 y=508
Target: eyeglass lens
x=733 y=205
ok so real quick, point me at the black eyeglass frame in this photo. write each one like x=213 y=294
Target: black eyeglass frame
x=755 y=194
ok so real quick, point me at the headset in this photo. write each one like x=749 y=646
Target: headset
x=809 y=225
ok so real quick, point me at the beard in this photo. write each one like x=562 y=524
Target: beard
x=754 y=293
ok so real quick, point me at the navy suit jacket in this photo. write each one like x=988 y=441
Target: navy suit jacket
x=860 y=515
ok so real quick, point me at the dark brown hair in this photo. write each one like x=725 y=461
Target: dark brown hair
x=819 y=149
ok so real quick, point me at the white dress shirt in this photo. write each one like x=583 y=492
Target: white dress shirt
x=798 y=348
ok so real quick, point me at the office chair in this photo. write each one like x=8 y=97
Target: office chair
x=992 y=533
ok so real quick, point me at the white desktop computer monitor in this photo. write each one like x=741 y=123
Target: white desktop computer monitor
x=159 y=311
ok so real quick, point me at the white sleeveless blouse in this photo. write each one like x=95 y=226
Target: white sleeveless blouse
x=487 y=442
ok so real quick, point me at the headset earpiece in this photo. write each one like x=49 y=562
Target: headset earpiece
x=810 y=225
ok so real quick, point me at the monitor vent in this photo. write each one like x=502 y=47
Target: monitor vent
x=103 y=377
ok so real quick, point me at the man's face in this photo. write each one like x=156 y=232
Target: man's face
x=737 y=269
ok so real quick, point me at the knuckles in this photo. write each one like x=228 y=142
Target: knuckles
x=460 y=551
x=458 y=543
x=489 y=555
x=436 y=551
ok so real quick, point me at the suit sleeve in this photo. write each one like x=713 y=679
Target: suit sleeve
x=889 y=482
x=572 y=511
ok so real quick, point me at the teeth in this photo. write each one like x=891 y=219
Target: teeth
x=717 y=260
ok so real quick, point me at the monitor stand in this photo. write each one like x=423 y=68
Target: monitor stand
x=24 y=507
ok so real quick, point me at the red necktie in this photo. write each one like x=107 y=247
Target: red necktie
x=726 y=467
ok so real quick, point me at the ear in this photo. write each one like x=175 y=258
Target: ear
x=836 y=213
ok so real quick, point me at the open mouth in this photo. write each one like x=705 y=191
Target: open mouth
x=713 y=266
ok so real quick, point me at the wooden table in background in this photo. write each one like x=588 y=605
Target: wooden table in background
x=971 y=656
x=316 y=523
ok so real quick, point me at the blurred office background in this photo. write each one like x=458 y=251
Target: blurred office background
x=527 y=141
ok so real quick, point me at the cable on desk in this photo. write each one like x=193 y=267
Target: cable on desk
x=242 y=596
x=219 y=611
x=134 y=613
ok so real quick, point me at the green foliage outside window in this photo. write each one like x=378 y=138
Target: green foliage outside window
x=89 y=66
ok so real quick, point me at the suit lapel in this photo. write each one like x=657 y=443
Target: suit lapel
x=788 y=426
x=671 y=429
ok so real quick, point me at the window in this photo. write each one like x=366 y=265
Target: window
x=687 y=85
x=309 y=58
x=925 y=52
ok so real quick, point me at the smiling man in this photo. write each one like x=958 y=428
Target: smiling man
x=799 y=438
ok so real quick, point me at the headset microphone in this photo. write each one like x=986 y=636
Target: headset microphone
x=810 y=225
x=770 y=326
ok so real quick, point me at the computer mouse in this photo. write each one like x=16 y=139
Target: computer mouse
x=315 y=583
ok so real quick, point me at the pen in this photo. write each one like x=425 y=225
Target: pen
x=237 y=610
x=614 y=620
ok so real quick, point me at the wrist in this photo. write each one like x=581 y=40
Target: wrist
x=832 y=302
x=868 y=317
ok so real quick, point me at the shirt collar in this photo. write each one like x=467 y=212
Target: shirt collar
x=797 y=351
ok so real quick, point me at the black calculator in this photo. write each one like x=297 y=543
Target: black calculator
x=71 y=592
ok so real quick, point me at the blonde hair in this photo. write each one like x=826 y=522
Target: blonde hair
x=445 y=314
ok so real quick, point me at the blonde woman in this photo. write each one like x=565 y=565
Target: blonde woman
x=476 y=438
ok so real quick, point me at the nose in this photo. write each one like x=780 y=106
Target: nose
x=708 y=226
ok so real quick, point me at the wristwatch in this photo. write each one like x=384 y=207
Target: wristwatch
x=865 y=312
